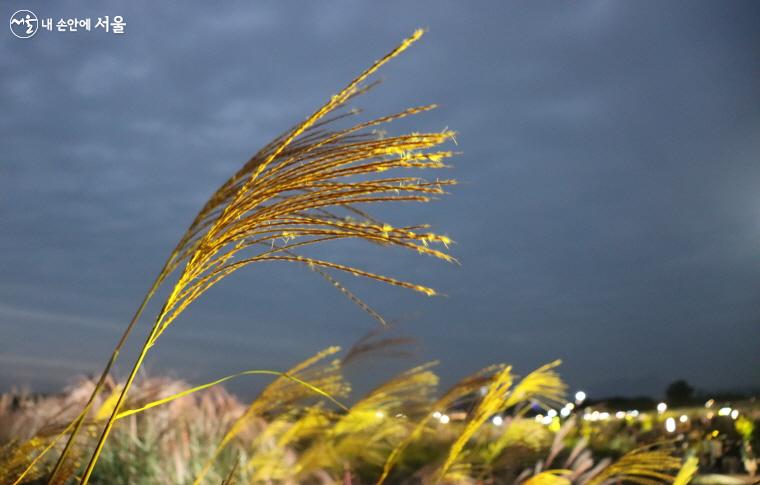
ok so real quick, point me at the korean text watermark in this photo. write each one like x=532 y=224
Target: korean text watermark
x=25 y=24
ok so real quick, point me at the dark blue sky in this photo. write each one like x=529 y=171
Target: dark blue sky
x=609 y=211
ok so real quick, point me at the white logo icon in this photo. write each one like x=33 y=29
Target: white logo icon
x=24 y=24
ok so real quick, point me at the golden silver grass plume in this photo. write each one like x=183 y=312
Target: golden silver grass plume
x=465 y=387
x=281 y=395
x=374 y=425
x=376 y=344
x=274 y=458
x=283 y=198
x=15 y=458
x=491 y=403
x=282 y=201
x=542 y=386
x=648 y=465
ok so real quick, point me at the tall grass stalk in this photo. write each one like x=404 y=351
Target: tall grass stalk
x=281 y=202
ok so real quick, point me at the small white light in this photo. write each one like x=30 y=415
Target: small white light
x=662 y=407
x=551 y=413
x=724 y=411
x=380 y=414
x=570 y=406
x=710 y=403
x=587 y=417
x=620 y=414
x=683 y=418
x=580 y=396
x=634 y=413
x=670 y=425
x=564 y=412
x=444 y=419
x=734 y=414
x=539 y=417
x=546 y=420
x=497 y=421
x=604 y=416
x=437 y=415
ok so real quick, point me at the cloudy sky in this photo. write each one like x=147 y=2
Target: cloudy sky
x=608 y=215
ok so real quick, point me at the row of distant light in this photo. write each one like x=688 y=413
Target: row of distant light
x=580 y=396
x=445 y=418
x=670 y=423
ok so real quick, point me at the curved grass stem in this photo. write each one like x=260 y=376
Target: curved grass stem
x=122 y=396
x=283 y=188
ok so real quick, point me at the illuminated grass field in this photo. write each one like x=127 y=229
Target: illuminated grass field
x=314 y=185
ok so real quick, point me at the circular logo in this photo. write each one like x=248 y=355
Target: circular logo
x=24 y=24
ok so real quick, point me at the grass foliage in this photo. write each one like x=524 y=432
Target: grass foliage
x=310 y=186
x=288 y=434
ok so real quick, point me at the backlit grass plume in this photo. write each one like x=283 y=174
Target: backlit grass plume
x=281 y=395
x=543 y=386
x=304 y=188
x=493 y=401
x=648 y=465
x=374 y=425
x=465 y=387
